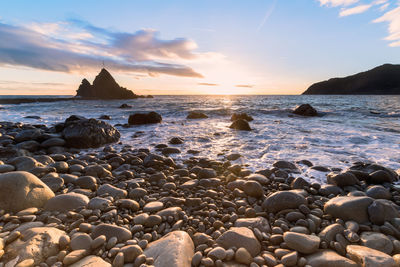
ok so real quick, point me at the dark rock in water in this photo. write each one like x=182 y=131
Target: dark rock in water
x=104 y=117
x=241 y=116
x=144 y=118
x=283 y=164
x=170 y=150
x=104 y=87
x=149 y=96
x=74 y=118
x=305 y=110
x=33 y=117
x=240 y=125
x=382 y=80
x=89 y=133
x=196 y=115
x=372 y=173
x=125 y=106
x=176 y=141
x=342 y=179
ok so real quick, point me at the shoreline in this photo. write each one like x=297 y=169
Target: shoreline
x=132 y=206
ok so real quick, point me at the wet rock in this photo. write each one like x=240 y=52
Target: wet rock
x=240 y=237
x=90 y=133
x=105 y=117
x=253 y=189
x=378 y=192
x=55 y=141
x=196 y=115
x=66 y=202
x=342 y=179
x=241 y=116
x=305 y=110
x=241 y=125
x=109 y=230
x=302 y=243
x=86 y=182
x=30 y=145
x=112 y=191
x=124 y=105
x=206 y=173
x=176 y=141
x=380 y=177
x=329 y=258
x=382 y=210
x=174 y=249
x=283 y=200
x=377 y=241
x=37 y=243
x=282 y=164
x=368 y=257
x=27 y=135
x=21 y=190
x=344 y=208
x=144 y=118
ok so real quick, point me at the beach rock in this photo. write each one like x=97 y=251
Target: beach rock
x=342 y=179
x=305 y=110
x=329 y=233
x=380 y=177
x=30 y=145
x=21 y=190
x=378 y=192
x=36 y=243
x=377 y=241
x=153 y=206
x=176 y=141
x=25 y=163
x=382 y=210
x=283 y=164
x=66 y=202
x=89 y=133
x=170 y=150
x=80 y=241
x=105 y=117
x=86 y=182
x=343 y=208
x=241 y=116
x=302 y=243
x=6 y=168
x=196 y=115
x=253 y=189
x=174 y=249
x=28 y=135
x=243 y=256
x=91 y=261
x=54 y=183
x=206 y=173
x=55 y=141
x=242 y=125
x=240 y=237
x=144 y=118
x=282 y=200
x=260 y=223
x=110 y=230
x=125 y=106
x=368 y=257
x=99 y=203
x=112 y=191
x=329 y=258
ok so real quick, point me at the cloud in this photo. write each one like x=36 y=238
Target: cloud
x=354 y=10
x=76 y=45
x=208 y=84
x=392 y=17
x=244 y=85
x=335 y=3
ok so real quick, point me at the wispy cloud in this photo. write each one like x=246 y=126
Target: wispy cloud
x=244 y=85
x=208 y=84
x=77 y=45
x=335 y=3
x=390 y=14
x=354 y=10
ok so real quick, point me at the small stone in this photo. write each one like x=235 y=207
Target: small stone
x=290 y=259
x=243 y=256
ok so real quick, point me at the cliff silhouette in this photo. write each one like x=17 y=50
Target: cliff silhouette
x=382 y=80
x=104 y=87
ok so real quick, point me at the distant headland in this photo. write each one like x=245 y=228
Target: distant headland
x=382 y=80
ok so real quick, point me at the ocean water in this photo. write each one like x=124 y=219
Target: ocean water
x=350 y=128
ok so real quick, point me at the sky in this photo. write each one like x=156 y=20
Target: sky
x=193 y=47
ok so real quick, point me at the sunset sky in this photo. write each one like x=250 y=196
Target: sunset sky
x=193 y=47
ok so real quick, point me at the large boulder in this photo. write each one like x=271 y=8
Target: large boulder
x=329 y=258
x=240 y=237
x=349 y=208
x=89 y=133
x=368 y=257
x=283 y=200
x=36 y=243
x=21 y=190
x=144 y=118
x=305 y=110
x=91 y=261
x=174 y=249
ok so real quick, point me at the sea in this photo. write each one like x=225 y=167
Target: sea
x=349 y=128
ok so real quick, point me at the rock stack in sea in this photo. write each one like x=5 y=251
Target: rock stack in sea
x=127 y=206
x=104 y=87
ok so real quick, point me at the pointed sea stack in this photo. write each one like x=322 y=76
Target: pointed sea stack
x=104 y=87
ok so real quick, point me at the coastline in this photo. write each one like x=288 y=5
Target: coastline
x=129 y=205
